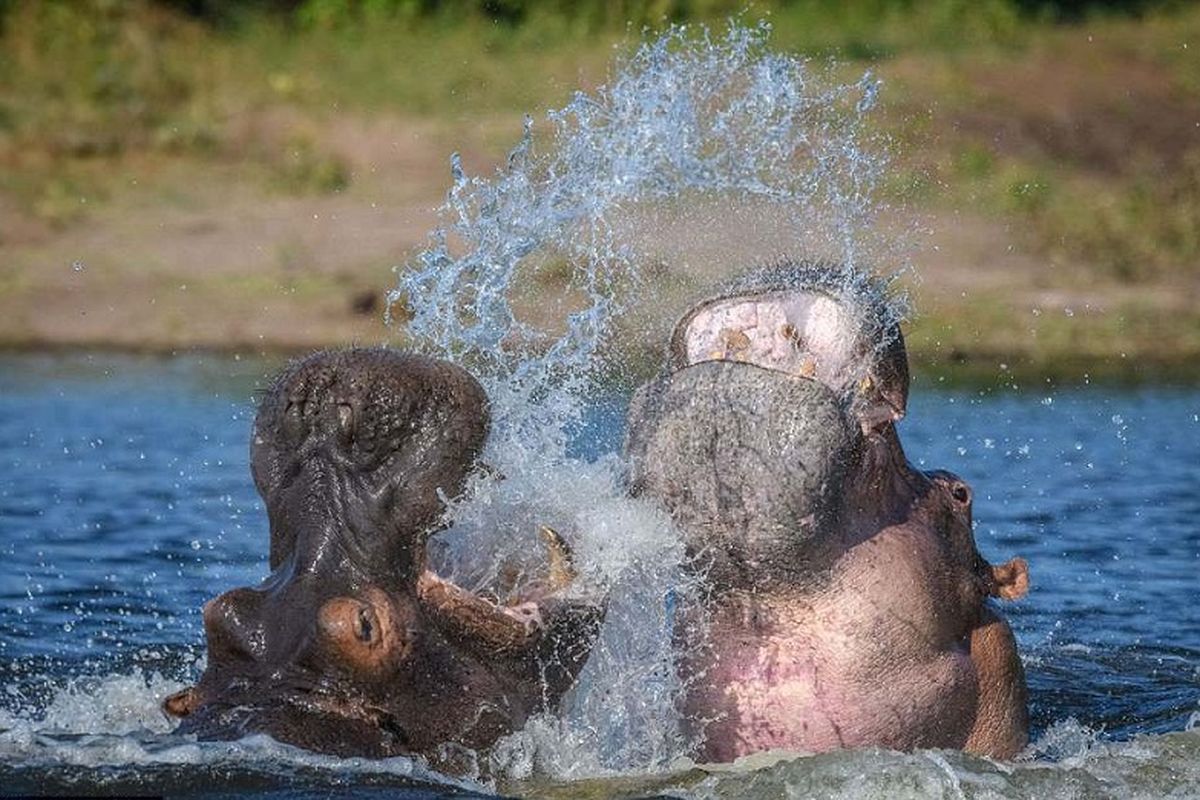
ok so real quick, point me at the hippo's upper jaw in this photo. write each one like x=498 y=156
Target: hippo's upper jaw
x=351 y=645
x=798 y=320
x=354 y=448
x=776 y=392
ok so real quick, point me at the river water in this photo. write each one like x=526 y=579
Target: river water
x=126 y=502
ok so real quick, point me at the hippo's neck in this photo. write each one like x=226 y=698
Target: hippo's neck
x=882 y=491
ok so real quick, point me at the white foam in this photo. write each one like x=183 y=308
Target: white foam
x=1147 y=767
x=114 y=722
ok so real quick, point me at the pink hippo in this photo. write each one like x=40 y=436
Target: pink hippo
x=847 y=604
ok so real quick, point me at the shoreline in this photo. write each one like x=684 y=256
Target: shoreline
x=957 y=369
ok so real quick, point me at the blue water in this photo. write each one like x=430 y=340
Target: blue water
x=126 y=502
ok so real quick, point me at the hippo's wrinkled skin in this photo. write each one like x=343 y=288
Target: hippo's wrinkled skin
x=352 y=646
x=847 y=600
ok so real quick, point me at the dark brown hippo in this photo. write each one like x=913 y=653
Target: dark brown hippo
x=352 y=646
x=846 y=597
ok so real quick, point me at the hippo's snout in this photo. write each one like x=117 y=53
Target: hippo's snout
x=233 y=625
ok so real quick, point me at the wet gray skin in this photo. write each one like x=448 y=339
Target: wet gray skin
x=845 y=600
x=352 y=646
x=750 y=464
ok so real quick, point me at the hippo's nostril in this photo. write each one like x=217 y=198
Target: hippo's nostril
x=363 y=628
x=961 y=494
x=232 y=627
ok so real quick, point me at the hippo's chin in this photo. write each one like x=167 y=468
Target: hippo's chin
x=299 y=723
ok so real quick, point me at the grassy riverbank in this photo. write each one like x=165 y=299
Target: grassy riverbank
x=248 y=182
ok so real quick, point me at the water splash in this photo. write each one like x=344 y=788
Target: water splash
x=686 y=115
x=621 y=713
x=107 y=734
x=689 y=118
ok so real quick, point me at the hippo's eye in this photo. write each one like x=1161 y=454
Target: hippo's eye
x=363 y=633
x=961 y=493
x=364 y=629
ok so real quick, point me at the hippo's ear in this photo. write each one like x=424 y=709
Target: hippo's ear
x=181 y=704
x=1010 y=580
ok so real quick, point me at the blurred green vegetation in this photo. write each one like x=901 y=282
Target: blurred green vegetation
x=609 y=13
x=84 y=81
x=89 y=78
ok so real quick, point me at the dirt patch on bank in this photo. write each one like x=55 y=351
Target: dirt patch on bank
x=1101 y=115
x=211 y=253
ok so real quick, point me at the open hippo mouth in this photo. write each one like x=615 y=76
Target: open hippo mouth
x=351 y=645
x=771 y=436
x=771 y=391
x=802 y=332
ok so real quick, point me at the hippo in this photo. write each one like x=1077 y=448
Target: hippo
x=352 y=645
x=845 y=602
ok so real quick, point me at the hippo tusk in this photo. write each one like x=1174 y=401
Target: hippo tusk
x=473 y=620
x=562 y=560
x=506 y=629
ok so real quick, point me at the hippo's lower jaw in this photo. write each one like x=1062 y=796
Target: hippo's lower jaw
x=311 y=725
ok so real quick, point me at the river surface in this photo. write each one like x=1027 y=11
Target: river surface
x=126 y=502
